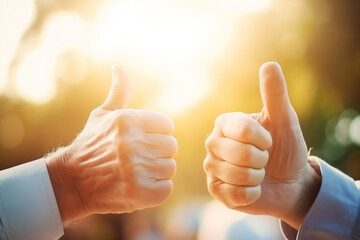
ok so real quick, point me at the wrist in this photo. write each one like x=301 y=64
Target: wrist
x=64 y=186
x=309 y=187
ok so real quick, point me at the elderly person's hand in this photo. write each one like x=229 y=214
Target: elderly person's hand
x=258 y=163
x=122 y=161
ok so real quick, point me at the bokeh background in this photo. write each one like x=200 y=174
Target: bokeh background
x=192 y=60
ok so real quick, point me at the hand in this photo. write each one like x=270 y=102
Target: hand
x=121 y=162
x=257 y=163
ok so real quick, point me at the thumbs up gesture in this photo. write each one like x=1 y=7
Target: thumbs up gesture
x=121 y=162
x=257 y=163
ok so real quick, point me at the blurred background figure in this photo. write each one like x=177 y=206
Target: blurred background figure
x=138 y=226
x=210 y=220
x=184 y=220
x=188 y=58
x=220 y=222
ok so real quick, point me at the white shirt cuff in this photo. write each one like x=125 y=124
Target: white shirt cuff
x=28 y=208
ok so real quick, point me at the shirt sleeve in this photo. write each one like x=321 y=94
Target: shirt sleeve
x=28 y=208
x=335 y=213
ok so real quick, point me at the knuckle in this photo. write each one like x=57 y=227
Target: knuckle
x=172 y=167
x=249 y=195
x=230 y=199
x=261 y=175
x=207 y=165
x=266 y=152
x=269 y=139
x=245 y=177
x=263 y=159
x=241 y=195
x=244 y=130
x=138 y=170
x=229 y=204
x=171 y=124
x=251 y=177
x=213 y=188
x=219 y=119
x=256 y=192
x=165 y=192
x=124 y=118
x=173 y=145
x=168 y=123
x=156 y=196
x=210 y=143
x=247 y=153
x=168 y=189
x=125 y=147
x=266 y=157
x=246 y=127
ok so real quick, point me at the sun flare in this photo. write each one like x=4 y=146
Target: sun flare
x=175 y=45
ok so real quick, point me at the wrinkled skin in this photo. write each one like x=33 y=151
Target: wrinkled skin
x=122 y=161
x=257 y=163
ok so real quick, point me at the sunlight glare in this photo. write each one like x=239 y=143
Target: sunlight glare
x=35 y=78
x=158 y=34
x=240 y=7
x=35 y=82
x=163 y=42
x=181 y=90
x=12 y=28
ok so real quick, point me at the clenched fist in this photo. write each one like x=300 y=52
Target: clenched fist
x=122 y=161
x=257 y=163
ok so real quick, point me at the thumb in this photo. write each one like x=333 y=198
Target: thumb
x=121 y=90
x=277 y=107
